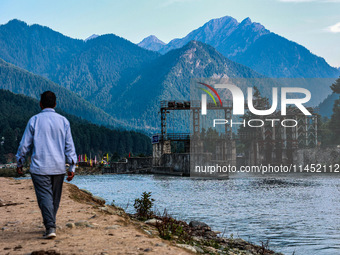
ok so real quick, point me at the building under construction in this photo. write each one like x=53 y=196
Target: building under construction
x=168 y=160
x=274 y=144
x=268 y=144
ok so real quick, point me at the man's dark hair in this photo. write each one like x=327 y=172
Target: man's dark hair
x=48 y=99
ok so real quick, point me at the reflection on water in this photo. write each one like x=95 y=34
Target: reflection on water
x=296 y=215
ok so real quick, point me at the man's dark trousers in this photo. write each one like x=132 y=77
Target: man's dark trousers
x=48 y=190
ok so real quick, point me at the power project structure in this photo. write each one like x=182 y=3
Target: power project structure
x=269 y=144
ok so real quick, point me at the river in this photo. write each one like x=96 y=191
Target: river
x=297 y=215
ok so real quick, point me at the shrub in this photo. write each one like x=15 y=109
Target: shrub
x=143 y=206
x=169 y=228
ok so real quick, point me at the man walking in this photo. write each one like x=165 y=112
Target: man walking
x=50 y=136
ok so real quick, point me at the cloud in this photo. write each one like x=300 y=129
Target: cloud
x=334 y=29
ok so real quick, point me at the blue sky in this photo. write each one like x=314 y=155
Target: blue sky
x=313 y=23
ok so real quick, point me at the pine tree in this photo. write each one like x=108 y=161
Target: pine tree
x=334 y=124
x=336 y=86
x=9 y=143
x=2 y=155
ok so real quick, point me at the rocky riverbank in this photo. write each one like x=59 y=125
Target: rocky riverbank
x=87 y=226
x=198 y=237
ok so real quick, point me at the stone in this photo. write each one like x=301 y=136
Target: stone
x=198 y=224
x=153 y=222
x=17 y=247
x=187 y=247
x=148 y=232
x=160 y=244
x=147 y=250
x=107 y=209
x=93 y=216
x=13 y=222
x=86 y=191
x=102 y=200
x=198 y=249
x=83 y=223
x=210 y=234
x=70 y=225
x=211 y=250
x=112 y=227
x=197 y=238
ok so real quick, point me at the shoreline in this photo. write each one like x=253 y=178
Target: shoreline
x=90 y=214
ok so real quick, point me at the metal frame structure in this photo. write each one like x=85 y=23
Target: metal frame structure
x=277 y=144
x=270 y=144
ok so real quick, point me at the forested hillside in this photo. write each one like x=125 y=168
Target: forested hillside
x=15 y=111
x=20 y=81
x=89 y=68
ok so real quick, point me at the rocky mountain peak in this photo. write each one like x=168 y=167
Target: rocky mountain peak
x=246 y=21
x=151 y=43
x=91 y=37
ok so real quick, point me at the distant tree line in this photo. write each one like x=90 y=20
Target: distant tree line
x=16 y=110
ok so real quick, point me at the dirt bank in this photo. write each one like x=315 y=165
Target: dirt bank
x=97 y=231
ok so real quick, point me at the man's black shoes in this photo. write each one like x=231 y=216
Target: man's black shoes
x=50 y=233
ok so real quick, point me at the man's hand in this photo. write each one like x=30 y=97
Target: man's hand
x=70 y=176
x=20 y=171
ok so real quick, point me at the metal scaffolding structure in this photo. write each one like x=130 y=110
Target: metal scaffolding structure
x=276 y=144
x=195 y=108
x=271 y=143
x=163 y=143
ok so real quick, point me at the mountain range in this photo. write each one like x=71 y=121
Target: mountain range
x=251 y=44
x=111 y=81
x=89 y=68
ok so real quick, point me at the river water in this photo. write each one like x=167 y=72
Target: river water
x=296 y=215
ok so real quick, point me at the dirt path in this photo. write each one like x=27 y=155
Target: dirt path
x=21 y=226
